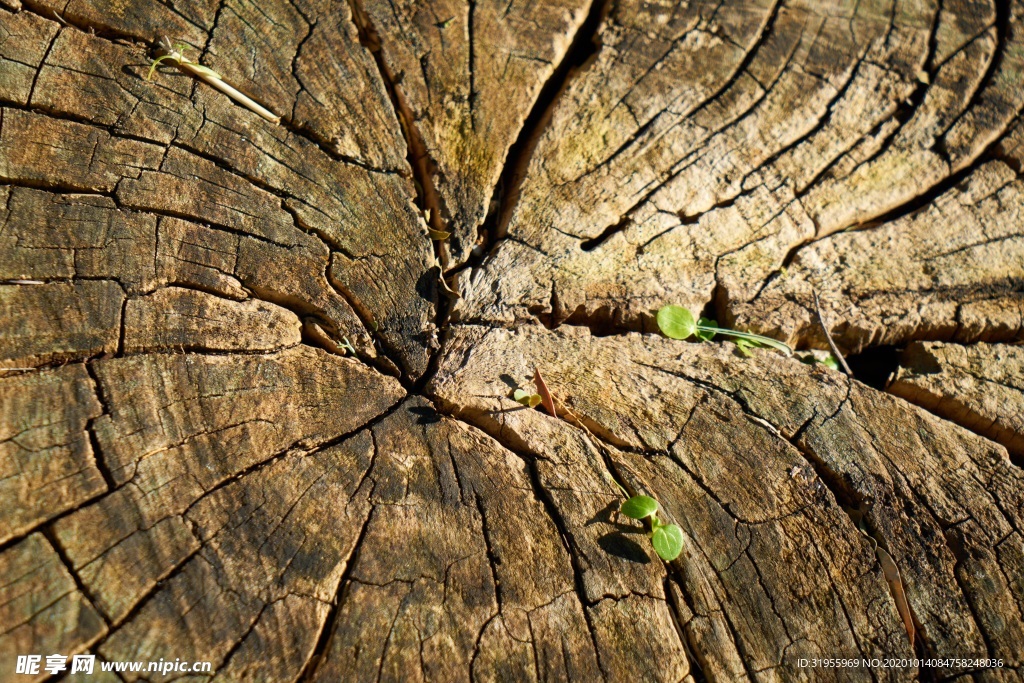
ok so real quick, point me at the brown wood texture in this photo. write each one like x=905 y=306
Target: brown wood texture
x=252 y=414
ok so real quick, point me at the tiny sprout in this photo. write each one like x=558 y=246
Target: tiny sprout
x=174 y=54
x=347 y=345
x=178 y=47
x=667 y=539
x=542 y=397
x=677 y=322
x=526 y=398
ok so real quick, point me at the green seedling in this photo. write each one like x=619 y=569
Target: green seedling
x=171 y=50
x=526 y=398
x=667 y=539
x=173 y=54
x=347 y=345
x=677 y=322
x=542 y=397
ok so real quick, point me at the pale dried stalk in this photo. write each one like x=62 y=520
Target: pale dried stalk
x=214 y=80
x=828 y=336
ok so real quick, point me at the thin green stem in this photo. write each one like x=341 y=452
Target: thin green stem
x=749 y=336
x=156 y=63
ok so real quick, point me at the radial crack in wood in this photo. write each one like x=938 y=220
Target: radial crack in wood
x=48 y=462
x=959 y=275
x=181 y=425
x=756 y=459
x=214 y=163
x=42 y=610
x=312 y=69
x=470 y=74
x=440 y=588
x=710 y=197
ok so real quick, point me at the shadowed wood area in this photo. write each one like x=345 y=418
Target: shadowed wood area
x=257 y=379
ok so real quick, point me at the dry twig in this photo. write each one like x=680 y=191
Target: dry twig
x=828 y=336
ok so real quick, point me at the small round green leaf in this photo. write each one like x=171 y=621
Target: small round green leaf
x=667 y=541
x=526 y=398
x=830 y=362
x=639 y=507
x=676 y=322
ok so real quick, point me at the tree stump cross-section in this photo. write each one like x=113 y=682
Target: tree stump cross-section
x=257 y=378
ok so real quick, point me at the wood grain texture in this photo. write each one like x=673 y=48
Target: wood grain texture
x=243 y=420
x=183 y=318
x=977 y=386
x=468 y=75
x=196 y=156
x=772 y=451
x=41 y=607
x=49 y=465
x=957 y=277
x=460 y=571
x=180 y=425
x=722 y=187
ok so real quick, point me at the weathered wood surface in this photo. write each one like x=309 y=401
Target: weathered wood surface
x=242 y=422
x=759 y=460
x=980 y=387
x=696 y=154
